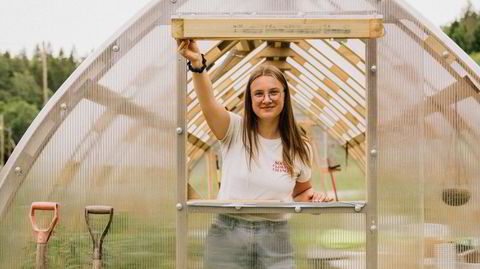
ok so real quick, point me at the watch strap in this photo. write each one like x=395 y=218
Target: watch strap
x=198 y=70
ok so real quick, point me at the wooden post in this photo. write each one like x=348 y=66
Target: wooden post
x=317 y=155
x=212 y=174
x=44 y=74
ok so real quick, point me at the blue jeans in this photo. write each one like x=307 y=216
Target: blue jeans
x=240 y=244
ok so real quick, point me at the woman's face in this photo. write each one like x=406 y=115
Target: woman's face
x=268 y=98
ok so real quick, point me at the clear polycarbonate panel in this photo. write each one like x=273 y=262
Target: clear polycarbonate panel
x=399 y=135
x=274 y=7
x=309 y=241
x=115 y=145
x=451 y=181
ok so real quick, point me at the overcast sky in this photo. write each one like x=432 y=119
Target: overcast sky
x=86 y=24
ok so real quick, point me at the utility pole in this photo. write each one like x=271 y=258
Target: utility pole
x=44 y=75
x=2 y=142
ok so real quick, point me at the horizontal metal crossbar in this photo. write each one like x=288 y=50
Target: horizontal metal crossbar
x=241 y=206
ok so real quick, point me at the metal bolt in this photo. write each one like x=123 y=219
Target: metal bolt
x=298 y=209
x=445 y=54
x=179 y=130
x=115 y=48
x=373 y=68
x=179 y=206
x=373 y=152
x=237 y=207
x=358 y=208
x=63 y=106
x=18 y=171
x=373 y=227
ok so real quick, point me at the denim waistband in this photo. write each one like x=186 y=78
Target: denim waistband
x=233 y=222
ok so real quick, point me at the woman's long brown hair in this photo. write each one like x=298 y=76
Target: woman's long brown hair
x=294 y=143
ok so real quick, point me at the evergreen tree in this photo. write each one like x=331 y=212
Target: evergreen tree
x=476 y=38
x=18 y=115
x=21 y=95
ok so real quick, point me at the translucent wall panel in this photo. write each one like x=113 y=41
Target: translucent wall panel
x=274 y=7
x=400 y=148
x=451 y=180
x=318 y=241
x=115 y=145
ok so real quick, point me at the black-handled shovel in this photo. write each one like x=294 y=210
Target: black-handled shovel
x=98 y=242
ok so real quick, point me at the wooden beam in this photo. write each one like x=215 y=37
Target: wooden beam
x=233 y=58
x=194 y=157
x=282 y=65
x=436 y=49
x=197 y=142
x=333 y=132
x=438 y=102
x=330 y=84
x=348 y=55
x=217 y=51
x=349 y=116
x=339 y=125
x=276 y=52
x=192 y=194
x=308 y=126
x=212 y=177
x=227 y=28
x=398 y=11
x=246 y=45
x=360 y=157
x=313 y=113
x=334 y=68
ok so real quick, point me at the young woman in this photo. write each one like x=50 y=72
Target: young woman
x=265 y=157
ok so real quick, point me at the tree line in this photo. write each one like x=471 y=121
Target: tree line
x=465 y=31
x=21 y=93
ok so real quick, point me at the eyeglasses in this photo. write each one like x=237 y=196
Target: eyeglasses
x=273 y=95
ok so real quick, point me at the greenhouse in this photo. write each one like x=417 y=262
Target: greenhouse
x=391 y=106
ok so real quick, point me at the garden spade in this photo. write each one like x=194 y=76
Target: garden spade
x=42 y=235
x=98 y=242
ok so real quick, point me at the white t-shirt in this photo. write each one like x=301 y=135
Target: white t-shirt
x=266 y=179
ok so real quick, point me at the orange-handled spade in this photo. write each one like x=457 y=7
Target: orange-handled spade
x=42 y=235
x=98 y=242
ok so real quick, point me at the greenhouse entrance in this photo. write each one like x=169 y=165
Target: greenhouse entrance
x=330 y=96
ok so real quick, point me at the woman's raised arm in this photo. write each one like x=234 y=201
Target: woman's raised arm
x=216 y=115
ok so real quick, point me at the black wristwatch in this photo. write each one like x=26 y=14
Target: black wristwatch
x=198 y=70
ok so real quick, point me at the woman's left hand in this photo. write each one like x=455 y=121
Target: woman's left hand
x=318 y=197
x=310 y=195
